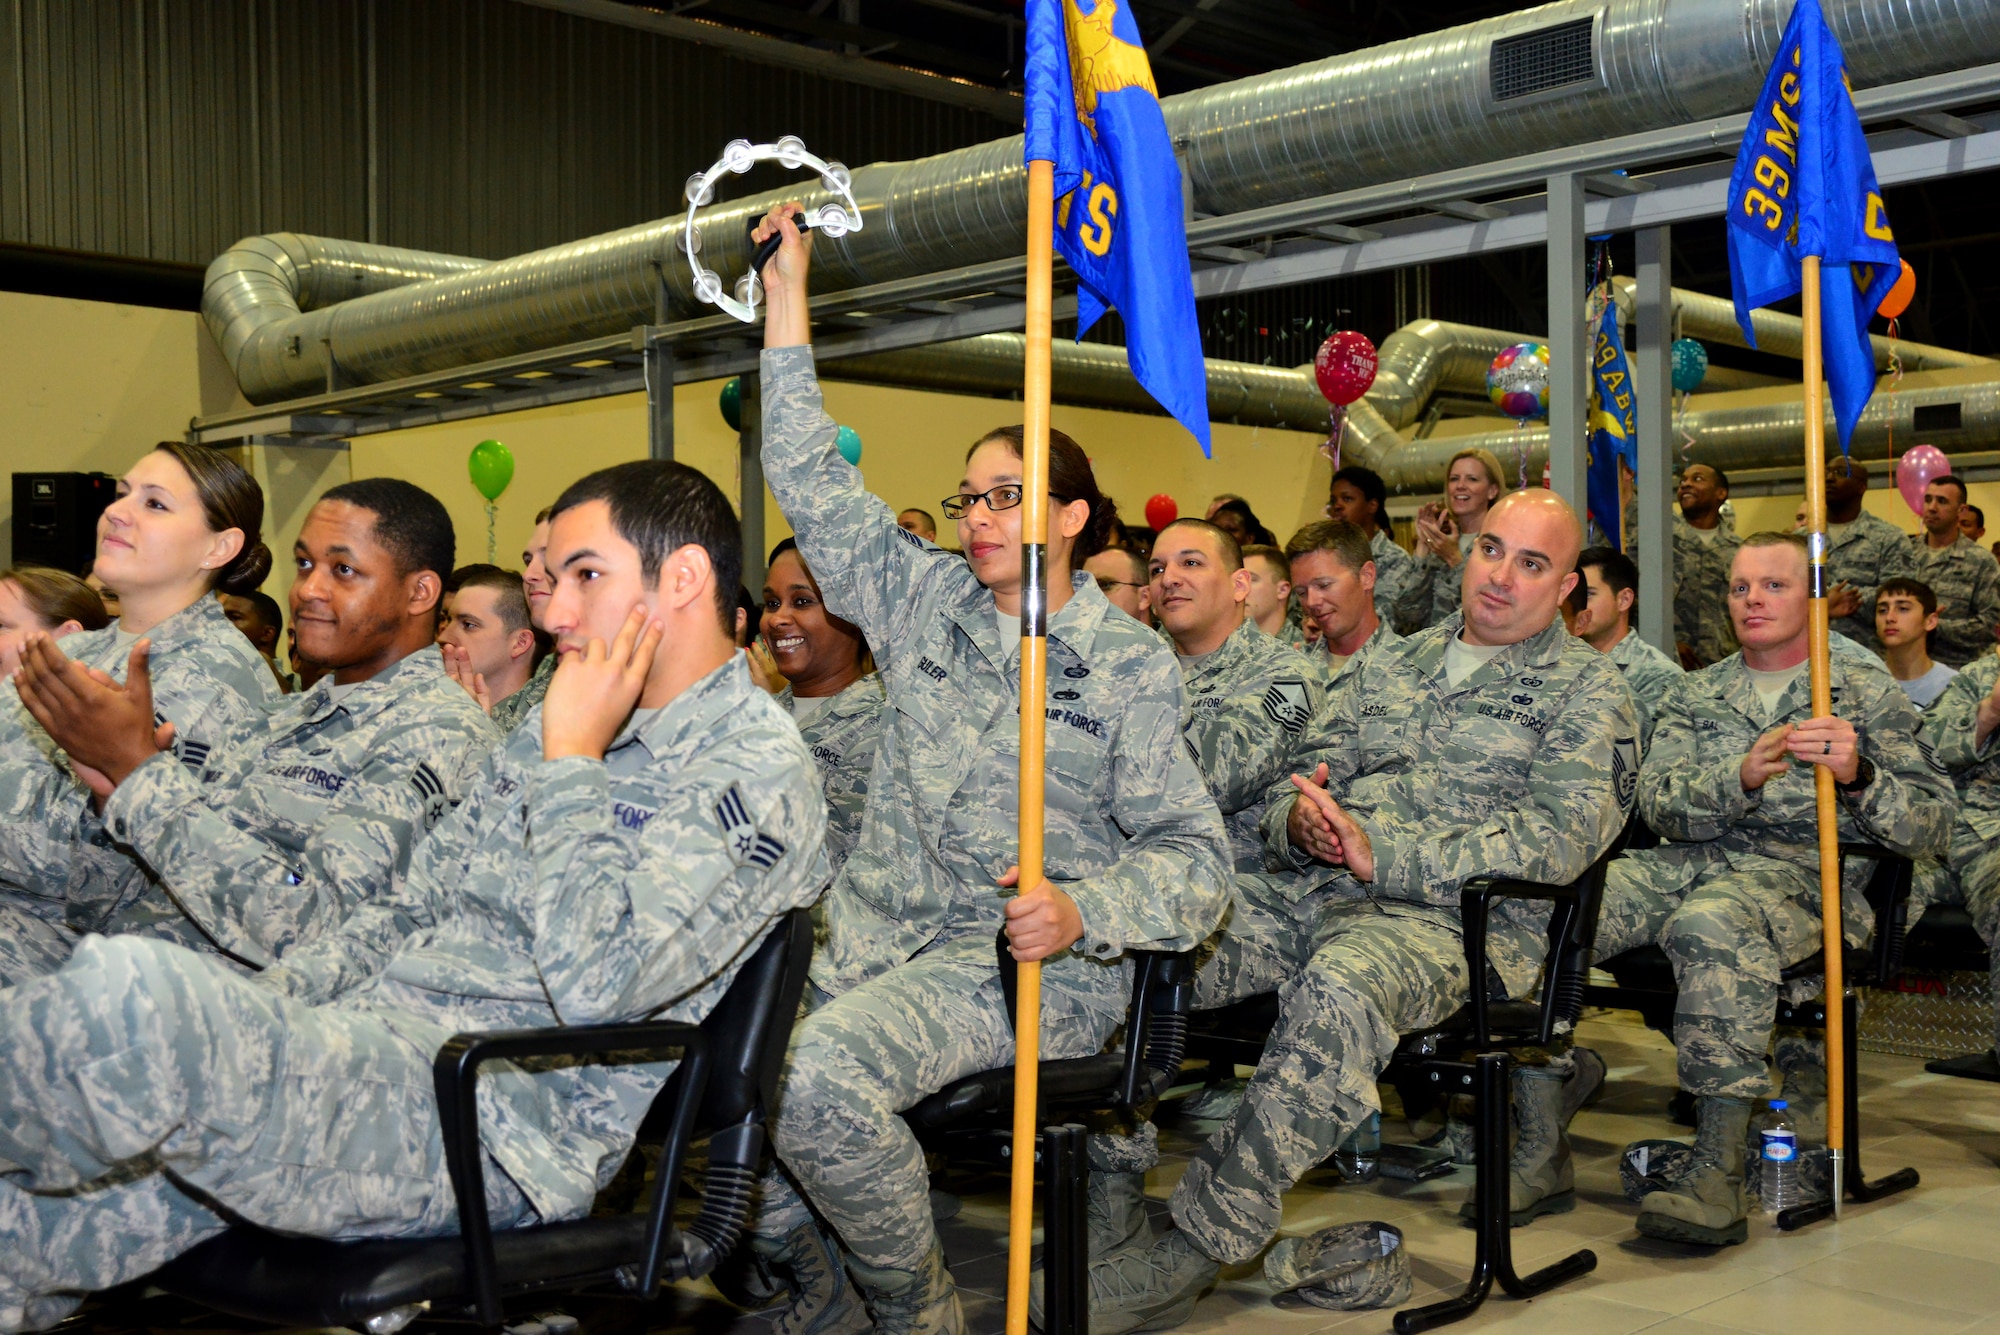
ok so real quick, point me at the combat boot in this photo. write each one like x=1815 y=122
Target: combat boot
x=1708 y=1208
x=1540 y=1178
x=804 y=1265
x=1583 y=1084
x=1115 y=1193
x=1801 y=1062
x=1149 y=1288
x=923 y=1301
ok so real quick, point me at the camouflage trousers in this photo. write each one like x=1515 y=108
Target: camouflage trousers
x=30 y=945
x=1262 y=944
x=145 y=1088
x=1374 y=974
x=1729 y=931
x=1973 y=881
x=862 y=1058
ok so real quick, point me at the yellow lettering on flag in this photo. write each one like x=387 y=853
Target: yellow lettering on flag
x=1756 y=203
x=1771 y=176
x=1103 y=207
x=1876 y=224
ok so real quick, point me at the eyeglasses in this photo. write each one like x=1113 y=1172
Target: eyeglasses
x=1106 y=584
x=1000 y=498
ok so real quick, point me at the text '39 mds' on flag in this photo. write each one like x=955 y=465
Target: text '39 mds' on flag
x=1093 y=111
x=1804 y=185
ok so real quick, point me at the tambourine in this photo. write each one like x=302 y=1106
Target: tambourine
x=741 y=155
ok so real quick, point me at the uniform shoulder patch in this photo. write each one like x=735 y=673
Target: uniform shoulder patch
x=431 y=793
x=1625 y=769
x=1288 y=704
x=741 y=836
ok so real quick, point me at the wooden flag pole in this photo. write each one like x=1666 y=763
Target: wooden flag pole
x=1034 y=690
x=1818 y=645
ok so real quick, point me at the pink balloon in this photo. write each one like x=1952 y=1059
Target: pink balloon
x=1918 y=467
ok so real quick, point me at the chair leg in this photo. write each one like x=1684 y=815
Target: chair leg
x=1493 y=1247
x=1065 y=1232
x=1854 y=1184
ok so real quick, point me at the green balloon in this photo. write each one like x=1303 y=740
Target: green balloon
x=732 y=402
x=491 y=467
x=848 y=441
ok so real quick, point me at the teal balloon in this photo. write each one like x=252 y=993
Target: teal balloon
x=849 y=443
x=1690 y=365
x=732 y=402
x=491 y=467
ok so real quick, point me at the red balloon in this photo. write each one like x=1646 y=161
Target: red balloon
x=1161 y=511
x=1345 y=367
x=1899 y=296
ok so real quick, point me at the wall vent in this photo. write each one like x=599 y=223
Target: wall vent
x=1544 y=60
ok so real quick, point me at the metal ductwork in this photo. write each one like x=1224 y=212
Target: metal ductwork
x=1955 y=418
x=1092 y=375
x=263 y=284
x=1534 y=80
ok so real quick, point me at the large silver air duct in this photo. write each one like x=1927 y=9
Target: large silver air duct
x=1758 y=436
x=1539 y=79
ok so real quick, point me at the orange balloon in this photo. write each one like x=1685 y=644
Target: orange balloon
x=1899 y=296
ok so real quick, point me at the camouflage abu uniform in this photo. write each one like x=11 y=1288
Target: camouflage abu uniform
x=1395 y=573
x=144 y=1083
x=1966 y=580
x=208 y=681
x=1862 y=555
x=1267 y=936
x=1701 y=589
x=1243 y=710
x=510 y=711
x=1132 y=837
x=1974 y=858
x=841 y=740
x=1434 y=589
x=287 y=827
x=1650 y=674
x=1732 y=892
x=1523 y=769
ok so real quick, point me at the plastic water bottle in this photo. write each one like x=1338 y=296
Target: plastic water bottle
x=1780 y=1159
x=1358 y=1155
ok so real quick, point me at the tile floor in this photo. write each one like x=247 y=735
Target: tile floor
x=1926 y=1262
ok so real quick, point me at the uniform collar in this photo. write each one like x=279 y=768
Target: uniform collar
x=1540 y=650
x=1741 y=692
x=1235 y=647
x=406 y=674
x=690 y=719
x=1854 y=530
x=197 y=621
x=864 y=692
x=1072 y=631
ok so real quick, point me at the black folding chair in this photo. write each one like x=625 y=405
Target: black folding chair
x=972 y=1117
x=725 y=1082
x=1480 y=1034
x=1945 y=941
x=1645 y=983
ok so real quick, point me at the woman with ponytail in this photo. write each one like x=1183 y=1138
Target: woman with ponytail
x=185 y=524
x=911 y=993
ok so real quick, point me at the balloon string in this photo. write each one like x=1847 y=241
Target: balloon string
x=1336 y=420
x=1521 y=448
x=492 y=549
x=1680 y=425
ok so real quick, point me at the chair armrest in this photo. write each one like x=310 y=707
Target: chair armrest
x=455 y=1076
x=1572 y=930
x=1156 y=1024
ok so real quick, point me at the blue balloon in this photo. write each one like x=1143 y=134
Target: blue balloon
x=1690 y=365
x=849 y=444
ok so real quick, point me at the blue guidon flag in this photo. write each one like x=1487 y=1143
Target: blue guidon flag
x=1804 y=185
x=1094 y=112
x=1614 y=428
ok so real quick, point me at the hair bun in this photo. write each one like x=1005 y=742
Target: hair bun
x=247 y=572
